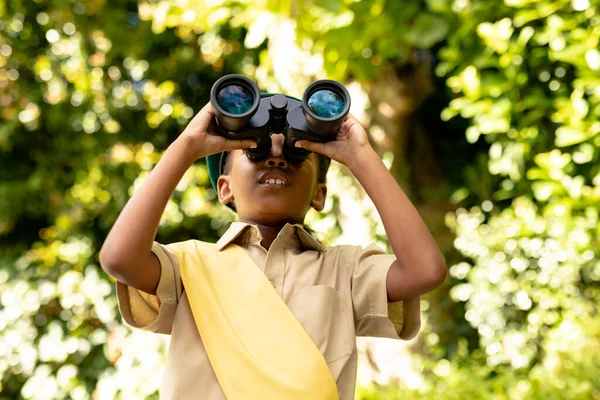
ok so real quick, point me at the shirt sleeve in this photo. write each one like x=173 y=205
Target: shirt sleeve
x=373 y=315
x=154 y=313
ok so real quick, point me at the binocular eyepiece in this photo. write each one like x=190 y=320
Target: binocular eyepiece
x=242 y=113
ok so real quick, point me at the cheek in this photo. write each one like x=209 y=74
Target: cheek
x=310 y=168
x=243 y=173
x=244 y=185
x=306 y=183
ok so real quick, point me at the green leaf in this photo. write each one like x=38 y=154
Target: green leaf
x=568 y=136
x=572 y=54
x=427 y=30
x=543 y=190
x=439 y=5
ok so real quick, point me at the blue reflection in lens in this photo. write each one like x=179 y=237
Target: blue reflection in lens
x=326 y=103
x=235 y=99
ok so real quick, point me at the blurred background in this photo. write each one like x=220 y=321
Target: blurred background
x=486 y=112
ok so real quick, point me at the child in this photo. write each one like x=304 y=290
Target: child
x=334 y=293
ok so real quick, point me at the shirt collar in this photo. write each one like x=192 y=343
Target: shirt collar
x=244 y=234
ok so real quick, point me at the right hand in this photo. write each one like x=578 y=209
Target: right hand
x=202 y=136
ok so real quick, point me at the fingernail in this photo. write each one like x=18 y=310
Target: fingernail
x=298 y=144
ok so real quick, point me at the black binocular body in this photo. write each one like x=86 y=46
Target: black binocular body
x=242 y=113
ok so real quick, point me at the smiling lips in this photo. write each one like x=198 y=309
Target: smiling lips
x=274 y=178
x=275 y=181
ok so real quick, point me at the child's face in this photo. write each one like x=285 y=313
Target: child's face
x=273 y=191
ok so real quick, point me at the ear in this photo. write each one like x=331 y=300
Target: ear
x=224 y=189
x=318 y=200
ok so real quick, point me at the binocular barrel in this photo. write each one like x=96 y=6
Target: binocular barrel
x=325 y=104
x=241 y=113
x=234 y=99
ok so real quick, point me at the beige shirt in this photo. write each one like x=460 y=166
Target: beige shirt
x=337 y=293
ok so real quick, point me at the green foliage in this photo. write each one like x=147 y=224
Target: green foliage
x=91 y=93
x=352 y=38
x=526 y=75
x=570 y=371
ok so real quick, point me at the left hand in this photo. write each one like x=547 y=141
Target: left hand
x=351 y=139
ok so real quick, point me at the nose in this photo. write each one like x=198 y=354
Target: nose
x=275 y=159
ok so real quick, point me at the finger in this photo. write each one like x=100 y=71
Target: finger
x=350 y=120
x=205 y=116
x=239 y=144
x=208 y=108
x=312 y=146
x=349 y=124
x=213 y=129
x=349 y=117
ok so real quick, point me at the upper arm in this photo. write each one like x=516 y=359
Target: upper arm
x=407 y=283
x=143 y=275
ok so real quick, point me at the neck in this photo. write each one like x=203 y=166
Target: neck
x=268 y=232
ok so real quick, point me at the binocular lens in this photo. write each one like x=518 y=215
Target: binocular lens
x=326 y=103
x=235 y=99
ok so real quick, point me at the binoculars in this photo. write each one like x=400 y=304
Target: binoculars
x=241 y=112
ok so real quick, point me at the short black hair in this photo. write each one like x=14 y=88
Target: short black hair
x=324 y=163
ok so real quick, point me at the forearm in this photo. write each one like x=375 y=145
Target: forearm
x=130 y=239
x=414 y=247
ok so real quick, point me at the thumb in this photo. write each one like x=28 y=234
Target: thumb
x=311 y=146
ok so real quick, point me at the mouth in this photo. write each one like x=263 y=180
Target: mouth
x=274 y=179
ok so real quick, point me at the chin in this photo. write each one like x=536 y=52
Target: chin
x=275 y=216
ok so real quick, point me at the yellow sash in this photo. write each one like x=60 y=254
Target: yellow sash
x=256 y=346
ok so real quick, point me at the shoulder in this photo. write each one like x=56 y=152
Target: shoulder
x=344 y=254
x=354 y=252
x=191 y=246
x=342 y=249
